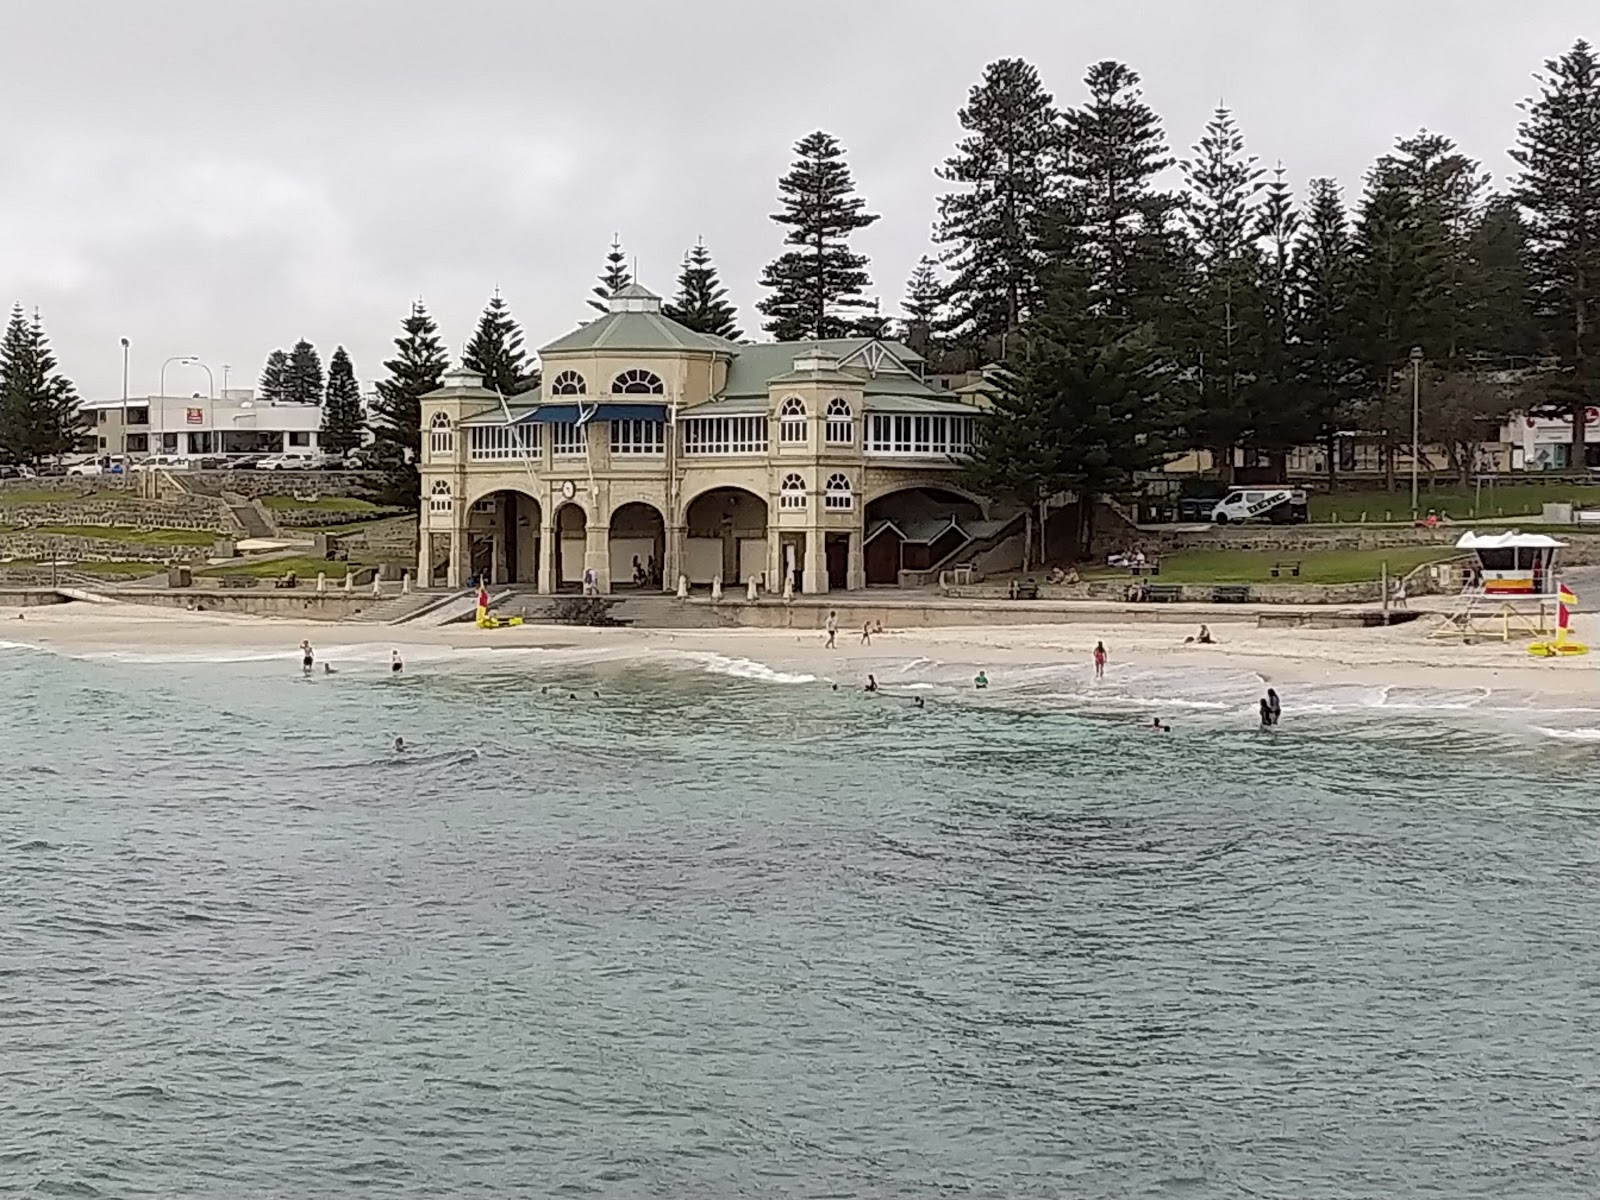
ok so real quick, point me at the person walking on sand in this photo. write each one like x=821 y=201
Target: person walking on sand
x=1099 y=660
x=866 y=633
x=395 y=665
x=832 y=626
x=307 y=657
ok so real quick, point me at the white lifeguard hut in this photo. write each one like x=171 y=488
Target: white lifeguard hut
x=1510 y=587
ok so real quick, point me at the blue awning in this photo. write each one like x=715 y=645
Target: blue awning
x=561 y=414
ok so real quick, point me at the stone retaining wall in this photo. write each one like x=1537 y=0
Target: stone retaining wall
x=182 y=512
x=22 y=543
x=282 y=483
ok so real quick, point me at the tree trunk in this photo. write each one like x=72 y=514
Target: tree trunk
x=1579 y=437
x=1027 y=538
x=1388 y=466
x=1333 y=461
x=1085 y=525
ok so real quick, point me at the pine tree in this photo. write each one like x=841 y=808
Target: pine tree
x=341 y=407
x=1113 y=219
x=817 y=285
x=397 y=412
x=614 y=278
x=1496 y=319
x=303 y=382
x=1220 y=209
x=1324 y=273
x=275 y=377
x=924 y=309
x=1558 y=149
x=38 y=406
x=994 y=222
x=496 y=352
x=1283 y=412
x=702 y=302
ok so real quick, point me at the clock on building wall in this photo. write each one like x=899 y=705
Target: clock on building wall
x=568 y=490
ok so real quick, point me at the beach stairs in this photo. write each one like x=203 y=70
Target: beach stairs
x=251 y=516
x=397 y=610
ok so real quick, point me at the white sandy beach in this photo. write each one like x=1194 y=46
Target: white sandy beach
x=1402 y=656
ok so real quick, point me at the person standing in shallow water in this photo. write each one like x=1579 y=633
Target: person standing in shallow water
x=832 y=626
x=395 y=665
x=1099 y=660
x=307 y=657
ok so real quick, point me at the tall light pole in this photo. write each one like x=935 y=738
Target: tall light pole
x=124 y=449
x=1416 y=421
x=191 y=360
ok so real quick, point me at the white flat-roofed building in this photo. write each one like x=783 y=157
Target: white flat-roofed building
x=232 y=423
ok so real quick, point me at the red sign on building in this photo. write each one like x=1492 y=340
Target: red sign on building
x=196 y=417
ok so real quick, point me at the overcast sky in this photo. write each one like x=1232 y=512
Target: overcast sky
x=219 y=177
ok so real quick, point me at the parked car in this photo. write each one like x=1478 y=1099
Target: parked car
x=163 y=462
x=244 y=462
x=15 y=471
x=285 y=462
x=327 y=462
x=105 y=464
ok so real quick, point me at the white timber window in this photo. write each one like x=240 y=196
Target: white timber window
x=639 y=439
x=496 y=443
x=792 y=420
x=919 y=436
x=841 y=427
x=441 y=437
x=439 y=501
x=638 y=382
x=568 y=439
x=838 y=497
x=792 y=493
x=712 y=437
x=568 y=383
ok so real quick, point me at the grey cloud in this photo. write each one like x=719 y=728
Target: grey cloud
x=224 y=178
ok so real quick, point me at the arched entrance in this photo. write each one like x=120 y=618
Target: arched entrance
x=638 y=546
x=913 y=529
x=503 y=537
x=572 y=544
x=725 y=533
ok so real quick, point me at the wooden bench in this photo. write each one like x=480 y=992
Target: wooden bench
x=238 y=581
x=1024 y=589
x=1280 y=569
x=1230 y=593
x=1149 y=568
x=1163 y=593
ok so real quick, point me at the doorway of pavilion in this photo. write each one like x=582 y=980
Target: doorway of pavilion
x=503 y=532
x=571 y=548
x=638 y=546
x=725 y=534
x=836 y=547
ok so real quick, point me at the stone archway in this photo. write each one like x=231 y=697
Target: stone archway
x=503 y=537
x=913 y=527
x=638 y=540
x=571 y=548
x=725 y=533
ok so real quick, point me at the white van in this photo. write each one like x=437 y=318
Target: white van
x=1281 y=506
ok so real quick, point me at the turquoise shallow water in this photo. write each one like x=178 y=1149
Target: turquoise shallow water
x=716 y=936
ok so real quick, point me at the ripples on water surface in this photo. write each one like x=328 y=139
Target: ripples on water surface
x=713 y=937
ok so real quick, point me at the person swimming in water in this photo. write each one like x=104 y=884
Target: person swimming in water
x=917 y=702
x=1157 y=727
x=395 y=665
x=1273 y=705
x=981 y=681
x=1266 y=715
x=327 y=669
x=872 y=683
x=399 y=744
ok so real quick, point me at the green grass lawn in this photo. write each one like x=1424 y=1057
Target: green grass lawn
x=25 y=495
x=1456 y=503
x=1255 y=566
x=121 y=533
x=109 y=569
x=337 y=504
x=303 y=565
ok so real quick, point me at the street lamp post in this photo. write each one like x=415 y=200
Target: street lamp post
x=193 y=360
x=1416 y=421
x=123 y=450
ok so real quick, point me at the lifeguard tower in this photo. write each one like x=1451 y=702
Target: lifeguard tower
x=1510 y=588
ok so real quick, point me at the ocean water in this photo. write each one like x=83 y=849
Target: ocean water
x=722 y=931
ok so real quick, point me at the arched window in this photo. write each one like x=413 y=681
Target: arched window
x=568 y=383
x=441 y=438
x=792 y=420
x=637 y=382
x=792 y=494
x=439 y=498
x=841 y=423
x=838 y=497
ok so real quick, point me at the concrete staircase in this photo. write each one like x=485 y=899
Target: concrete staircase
x=397 y=610
x=251 y=516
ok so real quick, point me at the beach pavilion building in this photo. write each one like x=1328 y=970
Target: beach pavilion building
x=651 y=452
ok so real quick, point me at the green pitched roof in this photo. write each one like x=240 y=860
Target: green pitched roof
x=758 y=365
x=626 y=331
